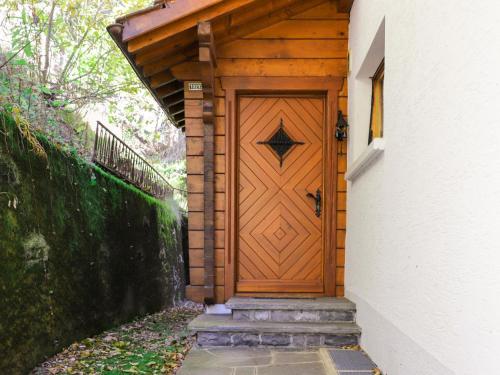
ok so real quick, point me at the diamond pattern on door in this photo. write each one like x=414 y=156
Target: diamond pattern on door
x=280 y=242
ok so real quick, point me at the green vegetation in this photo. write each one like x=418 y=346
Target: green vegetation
x=80 y=251
x=61 y=71
x=155 y=344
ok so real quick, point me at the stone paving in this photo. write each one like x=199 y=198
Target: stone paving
x=251 y=361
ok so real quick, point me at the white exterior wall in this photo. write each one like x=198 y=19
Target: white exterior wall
x=423 y=246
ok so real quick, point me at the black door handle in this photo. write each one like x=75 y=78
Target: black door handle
x=317 y=199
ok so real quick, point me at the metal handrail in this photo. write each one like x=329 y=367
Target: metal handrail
x=111 y=153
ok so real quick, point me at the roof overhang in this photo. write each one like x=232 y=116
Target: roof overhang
x=161 y=42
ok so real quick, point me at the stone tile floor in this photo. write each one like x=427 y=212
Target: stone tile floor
x=248 y=361
x=274 y=361
x=350 y=362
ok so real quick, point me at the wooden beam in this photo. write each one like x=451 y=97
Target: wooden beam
x=277 y=67
x=172 y=100
x=170 y=89
x=161 y=79
x=176 y=108
x=142 y=41
x=284 y=49
x=187 y=71
x=207 y=45
x=173 y=11
x=178 y=116
x=207 y=64
x=162 y=49
x=270 y=19
x=165 y=63
x=223 y=25
x=293 y=29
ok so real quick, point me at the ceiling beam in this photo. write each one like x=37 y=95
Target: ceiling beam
x=170 y=89
x=161 y=49
x=178 y=116
x=176 y=108
x=140 y=42
x=187 y=38
x=161 y=79
x=174 y=99
x=245 y=15
x=172 y=11
x=267 y=20
x=170 y=60
x=187 y=71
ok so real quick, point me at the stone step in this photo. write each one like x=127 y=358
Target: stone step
x=222 y=330
x=318 y=310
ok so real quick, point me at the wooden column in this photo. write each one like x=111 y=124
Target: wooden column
x=207 y=61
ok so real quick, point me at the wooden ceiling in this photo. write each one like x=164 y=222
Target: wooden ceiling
x=161 y=44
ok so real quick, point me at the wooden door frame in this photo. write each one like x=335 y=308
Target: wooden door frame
x=233 y=87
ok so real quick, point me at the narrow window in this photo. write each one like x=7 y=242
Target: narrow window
x=377 y=111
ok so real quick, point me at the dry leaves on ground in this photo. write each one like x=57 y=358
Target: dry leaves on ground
x=155 y=344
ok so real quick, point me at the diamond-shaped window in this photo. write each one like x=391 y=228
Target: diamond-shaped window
x=280 y=142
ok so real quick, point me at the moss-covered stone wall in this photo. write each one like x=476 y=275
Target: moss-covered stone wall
x=80 y=251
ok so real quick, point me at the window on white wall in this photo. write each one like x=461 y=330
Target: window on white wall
x=377 y=107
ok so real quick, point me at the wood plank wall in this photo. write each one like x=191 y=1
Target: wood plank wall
x=313 y=43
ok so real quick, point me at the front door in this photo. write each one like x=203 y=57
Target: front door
x=280 y=201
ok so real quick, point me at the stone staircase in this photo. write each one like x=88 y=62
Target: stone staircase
x=296 y=323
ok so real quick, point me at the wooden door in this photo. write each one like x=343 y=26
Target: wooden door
x=280 y=246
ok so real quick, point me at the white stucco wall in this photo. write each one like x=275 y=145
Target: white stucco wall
x=423 y=232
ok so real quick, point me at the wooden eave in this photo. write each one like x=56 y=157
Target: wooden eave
x=161 y=42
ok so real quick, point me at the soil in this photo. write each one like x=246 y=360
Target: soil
x=155 y=344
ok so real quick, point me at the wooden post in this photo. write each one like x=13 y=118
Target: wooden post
x=207 y=60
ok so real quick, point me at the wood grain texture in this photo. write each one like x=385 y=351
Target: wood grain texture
x=195 y=183
x=195 y=293
x=195 y=239
x=280 y=237
x=194 y=164
x=312 y=44
x=195 y=258
x=155 y=28
x=284 y=49
x=194 y=127
x=304 y=29
x=280 y=67
x=327 y=10
x=195 y=202
x=194 y=146
x=195 y=221
x=220 y=182
x=220 y=125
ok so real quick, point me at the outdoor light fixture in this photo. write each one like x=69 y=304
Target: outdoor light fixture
x=342 y=125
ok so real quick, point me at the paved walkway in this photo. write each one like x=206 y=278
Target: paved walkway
x=255 y=362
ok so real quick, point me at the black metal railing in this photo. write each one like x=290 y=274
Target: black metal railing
x=111 y=153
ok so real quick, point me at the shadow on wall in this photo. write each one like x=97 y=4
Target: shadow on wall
x=80 y=251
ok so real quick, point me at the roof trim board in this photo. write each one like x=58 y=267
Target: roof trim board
x=170 y=11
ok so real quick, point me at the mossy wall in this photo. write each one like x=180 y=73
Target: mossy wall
x=80 y=251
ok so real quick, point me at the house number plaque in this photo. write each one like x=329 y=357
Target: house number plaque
x=195 y=86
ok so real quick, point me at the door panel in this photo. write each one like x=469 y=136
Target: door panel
x=280 y=239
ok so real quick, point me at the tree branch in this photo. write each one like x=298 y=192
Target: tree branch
x=45 y=69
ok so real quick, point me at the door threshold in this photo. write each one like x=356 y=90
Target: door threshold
x=281 y=295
